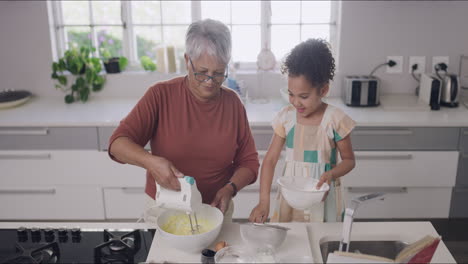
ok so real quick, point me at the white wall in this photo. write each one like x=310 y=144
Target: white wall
x=370 y=30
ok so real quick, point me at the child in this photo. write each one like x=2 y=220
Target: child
x=313 y=132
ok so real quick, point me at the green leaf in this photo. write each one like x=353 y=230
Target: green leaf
x=123 y=63
x=84 y=94
x=74 y=87
x=97 y=87
x=80 y=82
x=57 y=86
x=54 y=75
x=69 y=99
x=62 y=80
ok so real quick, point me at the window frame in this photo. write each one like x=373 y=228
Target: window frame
x=129 y=47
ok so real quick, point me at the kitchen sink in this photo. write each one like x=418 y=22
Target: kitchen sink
x=387 y=249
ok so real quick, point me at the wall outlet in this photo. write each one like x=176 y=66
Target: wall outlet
x=418 y=60
x=398 y=68
x=439 y=59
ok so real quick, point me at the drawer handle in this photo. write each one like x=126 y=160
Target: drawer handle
x=25 y=132
x=132 y=190
x=44 y=156
x=405 y=132
x=28 y=191
x=384 y=157
x=378 y=189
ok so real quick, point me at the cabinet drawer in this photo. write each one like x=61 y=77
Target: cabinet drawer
x=458 y=208
x=403 y=169
x=22 y=138
x=403 y=202
x=104 y=134
x=51 y=203
x=262 y=137
x=124 y=203
x=50 y=167
x=405 y=138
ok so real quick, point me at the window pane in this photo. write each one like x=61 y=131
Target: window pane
x=109 y=41
x=245 y=12
x=245 y=43
x=285 y=12
x=283 y=39
x=147 y=39
x=316 y=31
x=175 y=35
x=176 y=12
x=77 y=36
x=218 y=10
x=75 y=12
x=146 y=12
x=316 y=11
x=106 y=12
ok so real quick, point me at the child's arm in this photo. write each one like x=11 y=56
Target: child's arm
x=346 y=165
x=260 y=213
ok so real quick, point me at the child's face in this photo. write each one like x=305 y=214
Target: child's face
x=303 y=96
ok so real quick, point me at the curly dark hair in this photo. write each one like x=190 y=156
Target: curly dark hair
x=313 y=59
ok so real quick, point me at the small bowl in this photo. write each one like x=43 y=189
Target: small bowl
x=195 y=242
x=300 y=192
x=263 y=235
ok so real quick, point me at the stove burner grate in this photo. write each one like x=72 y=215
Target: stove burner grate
x=44 y=254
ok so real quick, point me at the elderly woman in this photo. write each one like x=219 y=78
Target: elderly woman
x=195 y=126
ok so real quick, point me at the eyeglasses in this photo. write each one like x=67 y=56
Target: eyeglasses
x=201 y=77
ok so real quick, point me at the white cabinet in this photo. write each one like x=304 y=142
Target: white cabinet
x=418 y=183
x=51 y=202
x=124 y=202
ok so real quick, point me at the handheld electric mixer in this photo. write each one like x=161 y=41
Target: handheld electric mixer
x=188 y=200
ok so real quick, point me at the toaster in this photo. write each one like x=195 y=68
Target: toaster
x=361 y=90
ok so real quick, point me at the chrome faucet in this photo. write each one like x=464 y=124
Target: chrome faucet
x=349 y=217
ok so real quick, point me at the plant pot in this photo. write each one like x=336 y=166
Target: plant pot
x=112 y=66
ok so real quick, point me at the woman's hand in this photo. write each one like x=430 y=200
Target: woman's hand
x=222 y=198
x=260 y=213
x=164 y=172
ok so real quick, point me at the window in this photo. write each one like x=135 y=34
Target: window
x=136 y=28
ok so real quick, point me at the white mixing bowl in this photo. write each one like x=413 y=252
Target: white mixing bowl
x=196 y=242
x=300 y=192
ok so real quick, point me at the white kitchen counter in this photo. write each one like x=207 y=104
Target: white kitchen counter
x=395 y=110
x=302 y=239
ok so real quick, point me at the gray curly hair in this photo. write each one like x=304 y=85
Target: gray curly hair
x=210 y=36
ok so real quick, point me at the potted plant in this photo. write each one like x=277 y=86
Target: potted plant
x=147 y=63
x=112 y=64
x=84 y=68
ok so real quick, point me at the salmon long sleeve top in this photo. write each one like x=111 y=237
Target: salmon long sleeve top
x=206 y=140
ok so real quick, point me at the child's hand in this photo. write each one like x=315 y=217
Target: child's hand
x=326 y=177
x=260 y=213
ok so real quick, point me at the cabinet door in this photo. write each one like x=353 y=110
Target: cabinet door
x=433 y=202
x=462 y=176
x=53 y=202
x=458 y=208
x=30 y=138
x=403 y=169
x=124 y=202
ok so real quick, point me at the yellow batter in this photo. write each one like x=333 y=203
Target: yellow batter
x=179 y=224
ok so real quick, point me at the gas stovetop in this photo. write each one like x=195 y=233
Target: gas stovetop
x=74 y=245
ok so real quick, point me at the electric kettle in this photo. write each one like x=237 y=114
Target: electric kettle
x=450 y=91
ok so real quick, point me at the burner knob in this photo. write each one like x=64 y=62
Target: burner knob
x=49 y=232
x=35 y=231
x=22 y=231
x=62 y=231
x=76 y=231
